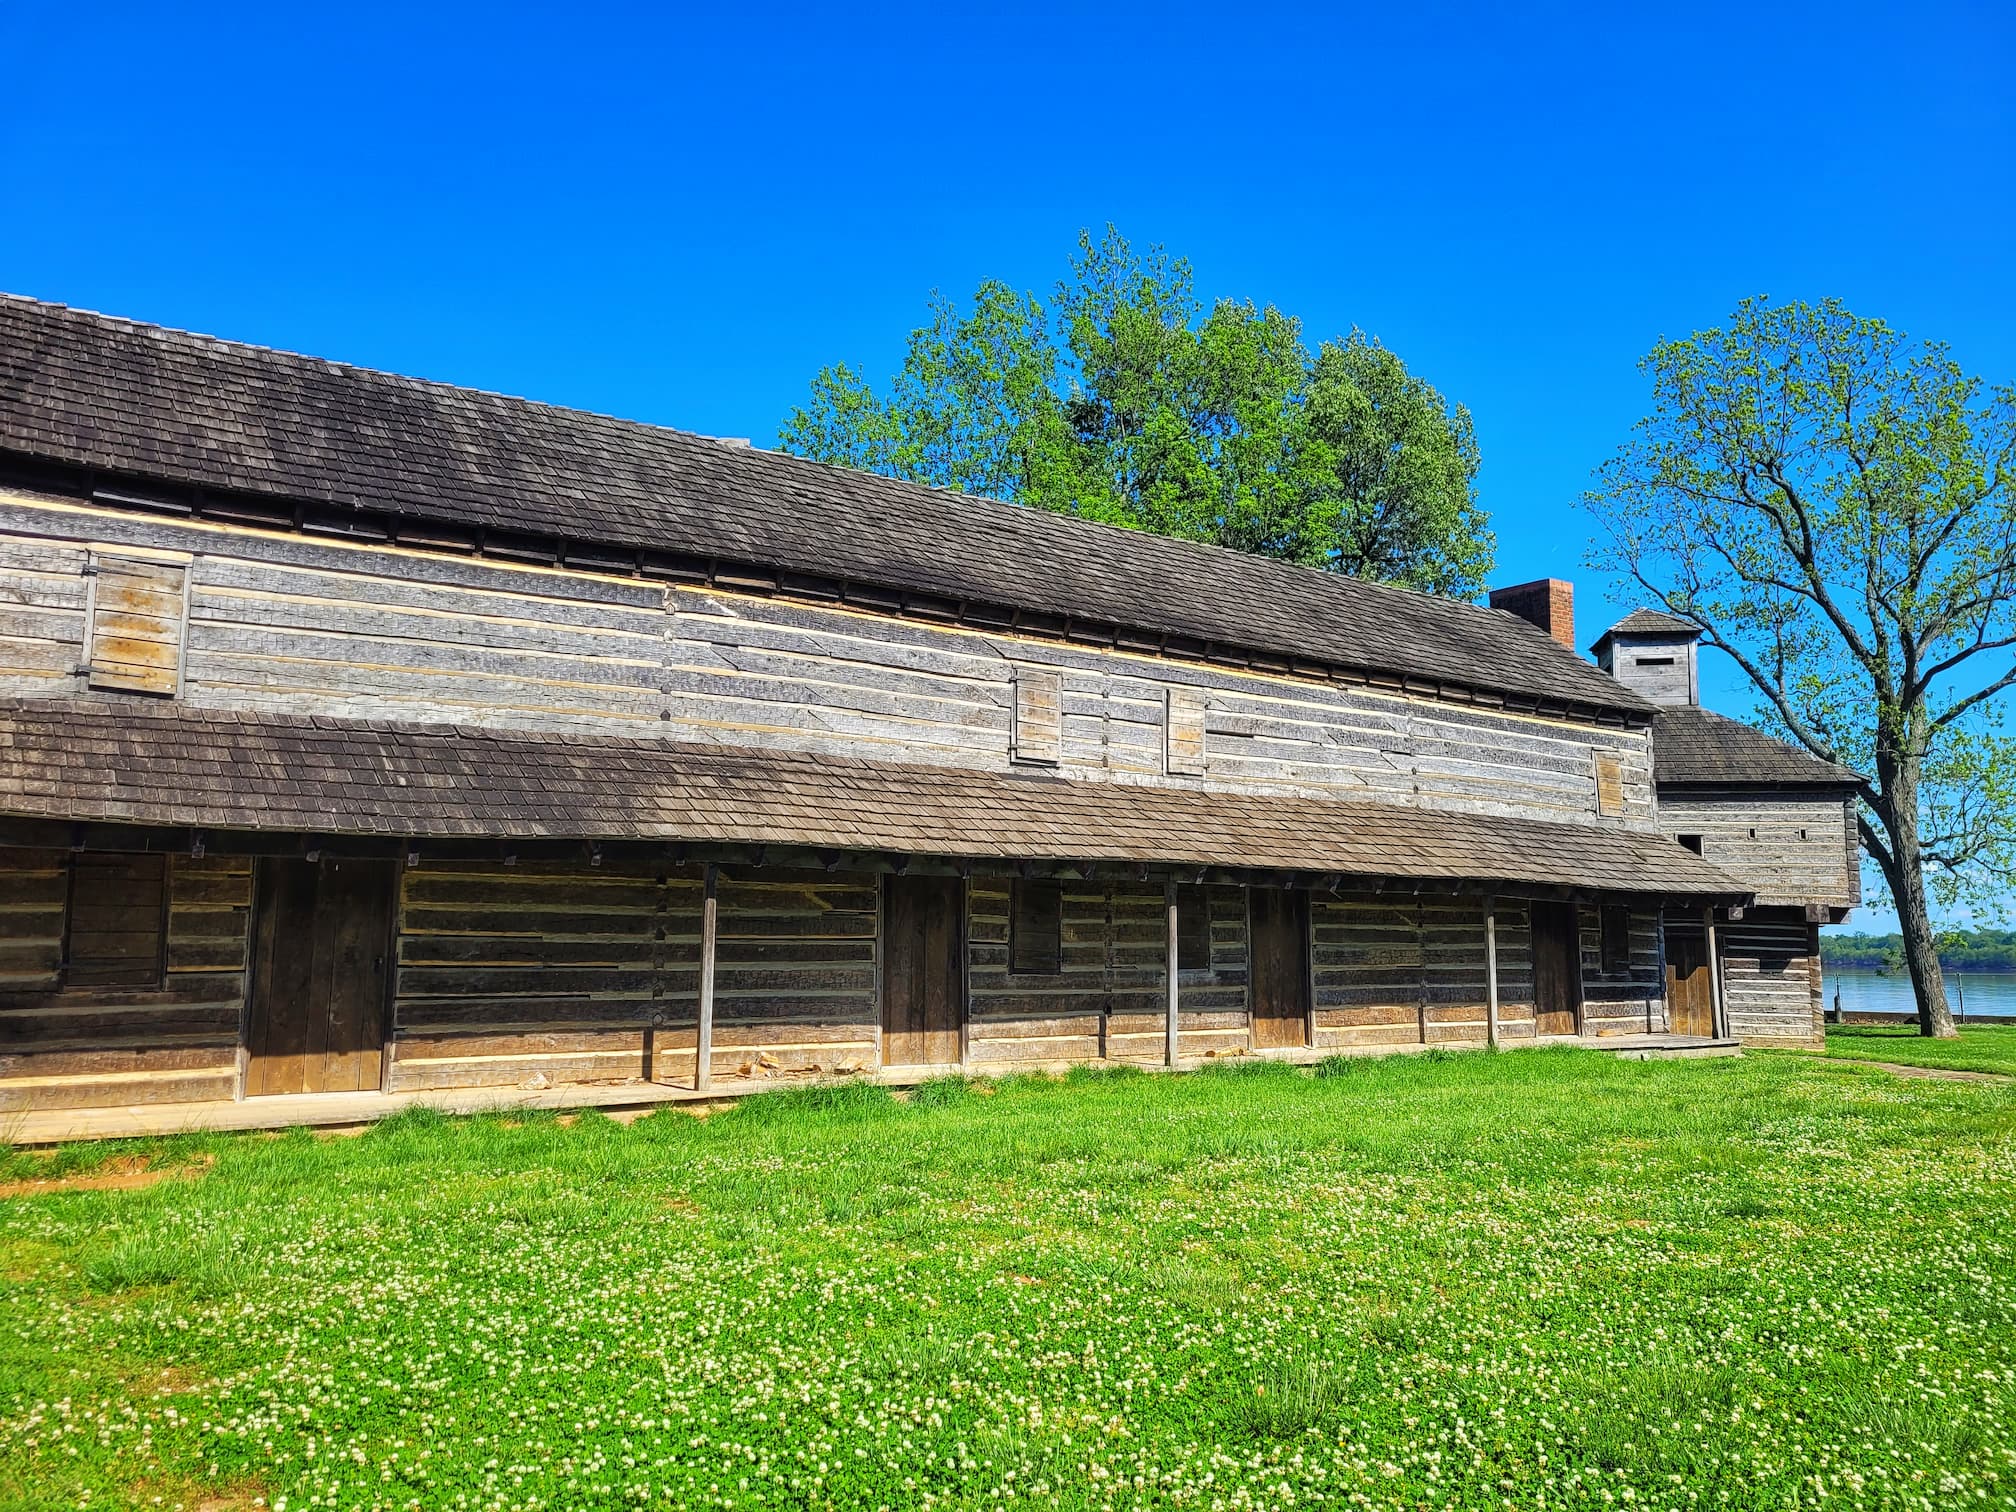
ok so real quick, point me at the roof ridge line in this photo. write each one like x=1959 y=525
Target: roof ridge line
x=154 y=329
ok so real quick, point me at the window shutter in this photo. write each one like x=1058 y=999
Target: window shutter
x=137 y=622
x=114 y=928
x=1183 y=755
x=1609 y=786
x=1035 y=927
x=1039 y=716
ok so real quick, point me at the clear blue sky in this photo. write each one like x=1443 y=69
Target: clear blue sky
x=680 y=216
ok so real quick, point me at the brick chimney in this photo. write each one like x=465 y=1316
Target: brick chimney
x=1548 y=603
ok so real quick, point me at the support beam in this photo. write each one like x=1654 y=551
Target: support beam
x=1491 y=972
x=703 y=1047
x=1720 y=1018
x=1175 y=1004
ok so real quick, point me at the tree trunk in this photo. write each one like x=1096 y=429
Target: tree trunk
x=1899 y=813
x=1921 y=954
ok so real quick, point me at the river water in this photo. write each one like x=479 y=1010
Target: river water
x=1987 y=994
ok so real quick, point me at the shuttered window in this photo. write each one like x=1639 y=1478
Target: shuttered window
x=1616 y=940
x=115 y=925
x=137 y=624
x=1193 y=929
x=1183 y=755
x=1039 y=716
x=1609 y=786
x=1035 y=928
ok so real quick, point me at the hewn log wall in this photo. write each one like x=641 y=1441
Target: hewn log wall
x=510 y=975
x=542 y=974
x=294 y=624
x=1396 y=969
x=1771 y=978
x=794 y=982
x=515 y=974
x=1791 y=847
x=1107 y=1001
x=1631 y=1001
x=177 y=1042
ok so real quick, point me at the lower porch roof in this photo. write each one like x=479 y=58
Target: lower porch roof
x=170 y=765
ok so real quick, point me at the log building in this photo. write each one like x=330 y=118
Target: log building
x=362 y=737
x=1765 y=812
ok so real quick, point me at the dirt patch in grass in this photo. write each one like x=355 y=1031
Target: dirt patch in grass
x=170 y=1380
x=1937 y=1073
x=122 y=1173
x=1978 y=1047
x=197 y=1496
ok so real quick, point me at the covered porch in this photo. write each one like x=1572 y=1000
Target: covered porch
x=435 y=917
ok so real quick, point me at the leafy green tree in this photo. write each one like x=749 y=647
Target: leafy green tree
x=1835 y=507
x=971 y=408
x=1123 y=400
x=1390 y=471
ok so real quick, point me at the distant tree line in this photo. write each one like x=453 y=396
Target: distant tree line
x=1959 y=950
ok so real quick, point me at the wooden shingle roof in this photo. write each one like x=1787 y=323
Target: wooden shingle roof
x=1696 y=747
x=144 y=403
x=170 y=765
x=1647 y=622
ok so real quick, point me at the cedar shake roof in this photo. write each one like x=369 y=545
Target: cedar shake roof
x=148 y=404
x=1692 y=746
x=86 y=760
x=1647 y=622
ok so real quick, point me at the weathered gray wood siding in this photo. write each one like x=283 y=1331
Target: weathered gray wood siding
x=302 y=625
x=536 y=974
x=770 y=672
x=80 y=1048
x=1664 y=671
x=1108 y=1000
x=513 y=974
x=794 y=981
x=1771 y=978
x=1792 y=847
x=1408 y=970
x=1402 y=969
x=1631 y=1001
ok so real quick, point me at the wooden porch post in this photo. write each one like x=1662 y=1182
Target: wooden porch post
x=1491 y=972
x=1719 y=1023
x=1174 y=1006
x=703 y=1045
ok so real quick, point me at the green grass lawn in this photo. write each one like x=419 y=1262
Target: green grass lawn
x=1981 y=1047
x=1543 y=1279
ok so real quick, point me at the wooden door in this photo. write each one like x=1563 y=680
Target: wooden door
x=1557 y=968
x=321 y=969
x=1690 y=986
x=923 y=989
x=1280 y=968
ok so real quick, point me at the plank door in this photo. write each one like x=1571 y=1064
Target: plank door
x=1690 y=986
x=923 y=989
x=321 y=963
x=1557 y=968
x=1280 y=968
